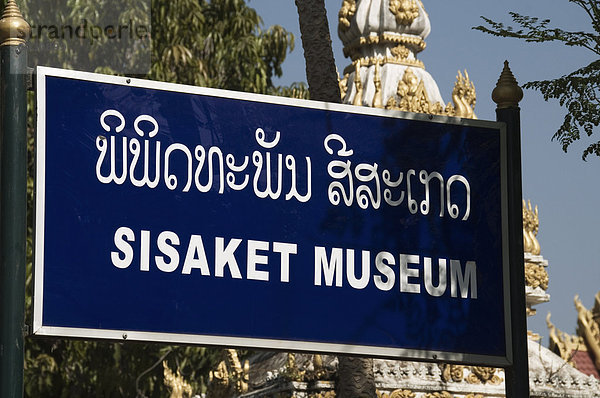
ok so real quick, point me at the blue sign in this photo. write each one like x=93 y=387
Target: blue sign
x=191 y=215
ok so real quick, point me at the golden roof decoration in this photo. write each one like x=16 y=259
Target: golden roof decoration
x=179 y=387
x=411 y=96
x=291 y=371
x=397 y=57
x=400 y=52
x=470 y=374
x=588 y=327
x=452 y=372
x=230 y=378
x=440 y=394
x=405 y=11
x=353 y=49
x=377 y=98
x=587 y=338
x=531 y=225
x=464 y=97
x=483 y=375
x=343 y=82
x=358 y=85
x=536 y=276
x=397 y=394
x=346 y=12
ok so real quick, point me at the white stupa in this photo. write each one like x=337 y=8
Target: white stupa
x=383 y=38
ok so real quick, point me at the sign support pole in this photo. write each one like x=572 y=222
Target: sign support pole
x=507 y=95
x=13 y=197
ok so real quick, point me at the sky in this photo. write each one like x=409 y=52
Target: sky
x=564 y=187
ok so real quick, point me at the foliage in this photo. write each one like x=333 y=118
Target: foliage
x=74 y=34
x=577 y=91
x=68 y=368
x=295 y=90
x=216 y=43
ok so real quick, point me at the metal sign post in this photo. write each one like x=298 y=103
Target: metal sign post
x=13 y=197
x=507 y=95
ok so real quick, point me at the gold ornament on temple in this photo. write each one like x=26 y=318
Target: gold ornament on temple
x=531 y=335
x=411 y=96
x=463 y=97
x=377 y=98
x=323 y=394
x=453 y=373
x=441 y=394
x=229 y=377
x=291 y=371
x=175 y=382
x=536 y=276
x=391 y=59
x=562 y=343
x=400 y=52
x=352 y=50
x=531 y=225
x=483 y=375
x=588 y=327
x=347 y=11
x=343 y=83
x=397 y=394
x=358 y=84
x=476 y=374
x=319 y=372
x=406 y=11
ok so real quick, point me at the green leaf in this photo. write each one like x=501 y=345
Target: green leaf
x=578 y=91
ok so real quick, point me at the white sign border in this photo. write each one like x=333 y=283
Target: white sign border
x=270 y=344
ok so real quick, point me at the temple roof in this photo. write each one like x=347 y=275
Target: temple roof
x=585 y=363
x=582 y=350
